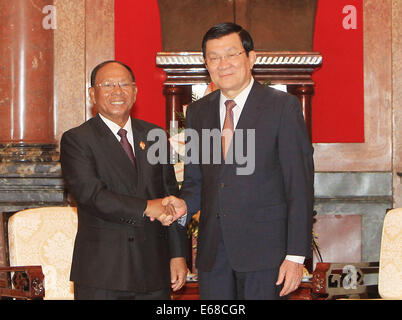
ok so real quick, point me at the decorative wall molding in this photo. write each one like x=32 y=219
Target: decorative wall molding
x=263 y=58
x=187 y=68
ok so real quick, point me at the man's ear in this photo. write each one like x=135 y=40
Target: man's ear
x=252 y=56
x=135 y=93
x=91 y=92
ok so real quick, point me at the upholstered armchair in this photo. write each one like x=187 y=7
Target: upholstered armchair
x=44 y=238
x=390 y=273
x=328 y=277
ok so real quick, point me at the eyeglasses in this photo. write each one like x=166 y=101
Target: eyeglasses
x=111 y=85
x=214 y=60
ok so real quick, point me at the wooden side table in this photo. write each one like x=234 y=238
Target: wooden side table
x=188 y=292
x=304 y=292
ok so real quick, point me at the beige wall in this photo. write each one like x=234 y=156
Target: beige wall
x=84 y=37
x=397 y=99
x=382 y=150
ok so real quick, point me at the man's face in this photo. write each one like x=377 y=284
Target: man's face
x=232 y=73
x=114 y=103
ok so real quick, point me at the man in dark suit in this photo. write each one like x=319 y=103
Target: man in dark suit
x=119 y=253
x=255 y=228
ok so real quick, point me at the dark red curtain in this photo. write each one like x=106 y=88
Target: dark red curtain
x=338 y=105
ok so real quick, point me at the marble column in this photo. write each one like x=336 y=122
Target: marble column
x=30 y=174
x=26 y=81
x=175 y=98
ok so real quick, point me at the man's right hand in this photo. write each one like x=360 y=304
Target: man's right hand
x=176 y=206
x=156 y=210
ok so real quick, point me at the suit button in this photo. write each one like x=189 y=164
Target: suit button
x=131 y=239
x=222 y=185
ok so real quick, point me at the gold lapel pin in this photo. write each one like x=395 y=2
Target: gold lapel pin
x=142 y=145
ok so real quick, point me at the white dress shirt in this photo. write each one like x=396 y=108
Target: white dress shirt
x=115 y=129
x=238 y=108
x=240 y=100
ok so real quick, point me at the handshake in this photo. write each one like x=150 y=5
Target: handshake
x=166 y=210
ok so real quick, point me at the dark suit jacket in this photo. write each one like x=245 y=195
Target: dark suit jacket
x=116 y=247
x=263 y=216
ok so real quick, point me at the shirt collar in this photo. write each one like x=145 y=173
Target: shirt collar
x=115 y=127
x=241 y=98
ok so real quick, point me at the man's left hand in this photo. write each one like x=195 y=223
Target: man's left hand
x=292 y=273
x=178 y=272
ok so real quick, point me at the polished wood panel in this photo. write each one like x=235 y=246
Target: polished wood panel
x=26 y=283
x=274 y=25
x=188 y=292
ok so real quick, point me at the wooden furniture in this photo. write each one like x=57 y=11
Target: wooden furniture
x=304 y=292
x=188 y=292
x=339 y=280
x=275 y=25
x=334 y=280
x=39 y=244
x=329 y=281
x=25 y=283
x=24 y=185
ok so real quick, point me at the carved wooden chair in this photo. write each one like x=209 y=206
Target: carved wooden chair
x=40 y=247
x=332 y=280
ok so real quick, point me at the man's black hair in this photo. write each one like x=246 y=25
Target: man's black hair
x=99 y=66
x=226 y=28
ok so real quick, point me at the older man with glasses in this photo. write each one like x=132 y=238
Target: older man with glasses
x=119 y=252
x=255 y=229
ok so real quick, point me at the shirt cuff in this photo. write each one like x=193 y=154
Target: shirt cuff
x=182 y=220
x=298 y=259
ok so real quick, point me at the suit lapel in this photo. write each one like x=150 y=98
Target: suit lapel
x=212 y=121
x=140 y=149
x=251 y=110
x=113 y=149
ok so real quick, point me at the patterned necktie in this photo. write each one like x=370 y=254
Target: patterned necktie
x=126 y=145
x=228 y=127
